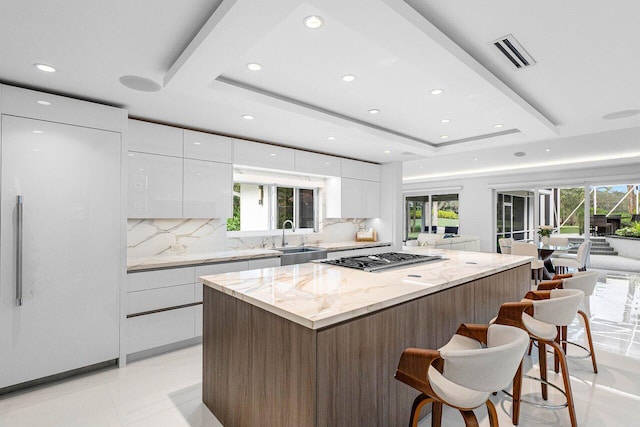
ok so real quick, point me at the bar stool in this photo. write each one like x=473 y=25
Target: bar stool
x=463 y=373
x=579 y=262
x=539 y=313
x=586 y=282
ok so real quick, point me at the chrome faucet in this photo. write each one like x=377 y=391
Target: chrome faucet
x=293 y=229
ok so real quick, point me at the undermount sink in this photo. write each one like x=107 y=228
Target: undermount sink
x=300 y=255
x=299 y=250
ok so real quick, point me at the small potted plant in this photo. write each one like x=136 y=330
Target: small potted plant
x=544 y=231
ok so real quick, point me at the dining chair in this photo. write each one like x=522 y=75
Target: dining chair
x=477 y=361
x=558 y=241
x=505 y=244
x=529 y=249
x=562 y=264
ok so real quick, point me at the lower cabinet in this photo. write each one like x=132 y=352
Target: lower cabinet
x=165 y=306
x=161 y=328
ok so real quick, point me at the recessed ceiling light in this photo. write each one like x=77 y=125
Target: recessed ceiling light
x=387 y=151
x=519 y=154
x=327 y=163
x=444 y=136
x=45 y=68
x=272 y=154
x=436 y=91
x=43 y=102
x=475 y=160
x=248 y=117
x=36 y=149
x=254 y=66
x=374 y=111
x=38 y=131
x=445 y=121
x=139 y=83
x=621 y=114
x=498 y=125
x=348 y=77
x=197 y=143
x=313 y=22
x=547 y=149
x=331 y=138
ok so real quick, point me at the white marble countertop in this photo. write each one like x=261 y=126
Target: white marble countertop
x=181 y=260
x=173 y=259
x=317 y=295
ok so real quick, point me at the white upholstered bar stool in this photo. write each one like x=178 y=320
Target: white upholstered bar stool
x=529 y=249
x=579 y=263
x=540 y=313
x=586 y=282
x=463 y=373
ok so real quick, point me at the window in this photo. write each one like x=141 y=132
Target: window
x=436 y=213
x=263 y=207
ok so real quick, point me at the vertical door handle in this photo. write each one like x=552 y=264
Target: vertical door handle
x=19 y=207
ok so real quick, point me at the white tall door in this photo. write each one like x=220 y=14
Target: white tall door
x=69 y=178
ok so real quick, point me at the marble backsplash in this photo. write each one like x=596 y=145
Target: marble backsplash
x=152 y=237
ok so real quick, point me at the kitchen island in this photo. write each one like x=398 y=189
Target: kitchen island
x=318 y=345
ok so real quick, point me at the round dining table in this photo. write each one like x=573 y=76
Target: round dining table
x=544 y=253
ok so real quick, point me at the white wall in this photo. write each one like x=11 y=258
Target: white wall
x=477 y=204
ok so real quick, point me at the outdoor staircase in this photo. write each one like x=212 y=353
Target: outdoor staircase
x=599 y=246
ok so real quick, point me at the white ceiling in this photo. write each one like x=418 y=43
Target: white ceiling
x=586 y=53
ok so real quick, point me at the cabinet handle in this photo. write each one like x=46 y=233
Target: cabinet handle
x=19 y=206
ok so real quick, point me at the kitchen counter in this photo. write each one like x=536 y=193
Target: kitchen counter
x=176 y=259
x=182 y=260
x=315 y=345
x=317 y=295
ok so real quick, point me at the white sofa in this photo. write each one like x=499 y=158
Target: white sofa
x=443 y=241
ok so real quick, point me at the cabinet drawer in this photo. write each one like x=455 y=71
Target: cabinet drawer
x=160 y=279
x=154 y=299
x=154 y=330
x=263 y=263
x=227 y=267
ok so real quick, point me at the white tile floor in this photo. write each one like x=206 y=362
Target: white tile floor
x=166 y=390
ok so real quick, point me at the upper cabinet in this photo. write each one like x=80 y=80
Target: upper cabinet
x=206 y=146
x=317 y=164
x=352 y=198
x=152 y=138
x=165 y=183
x=155 y=186
x=263 y=155
x=54 y=108
x=360 y=170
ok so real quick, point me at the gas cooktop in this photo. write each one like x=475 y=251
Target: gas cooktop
x=383 y=261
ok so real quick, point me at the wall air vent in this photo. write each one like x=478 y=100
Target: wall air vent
x=514 y=52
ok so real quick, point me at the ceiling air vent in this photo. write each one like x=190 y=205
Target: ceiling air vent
x=514 y=52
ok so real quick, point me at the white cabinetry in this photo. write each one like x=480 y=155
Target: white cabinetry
x=62 y=237
x=207 y=189
x=263 y=155
x=360 y=170
x=165 y=306
x=317 y=164
x=155 y=186
x=206 y=146
x=152 y=138
x=165 y=183
x=352 y=198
